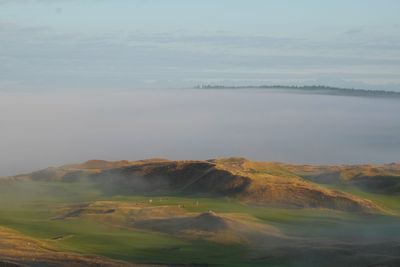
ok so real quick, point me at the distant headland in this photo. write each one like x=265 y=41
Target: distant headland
x=316 y=89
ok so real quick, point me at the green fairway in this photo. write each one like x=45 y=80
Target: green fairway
x=30 y=208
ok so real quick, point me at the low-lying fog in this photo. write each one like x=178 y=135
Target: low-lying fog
x=38 y=130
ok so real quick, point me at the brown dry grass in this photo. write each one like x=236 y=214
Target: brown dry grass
x=24 y=251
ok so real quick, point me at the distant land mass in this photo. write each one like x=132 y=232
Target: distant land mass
x=315 y=89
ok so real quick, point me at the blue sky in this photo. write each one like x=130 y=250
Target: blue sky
x=121 y=44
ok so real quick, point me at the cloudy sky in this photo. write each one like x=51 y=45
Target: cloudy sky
x=121 y=44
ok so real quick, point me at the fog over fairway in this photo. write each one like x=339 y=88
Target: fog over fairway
x=43 y=129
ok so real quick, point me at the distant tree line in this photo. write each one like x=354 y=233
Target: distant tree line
x=310 y=88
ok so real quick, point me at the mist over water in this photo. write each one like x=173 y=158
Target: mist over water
x=38 y=130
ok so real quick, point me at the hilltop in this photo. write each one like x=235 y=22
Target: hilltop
x=262 y=183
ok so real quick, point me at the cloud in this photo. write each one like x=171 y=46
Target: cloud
x=41 y=57
x=356 y=30
x=17 y=2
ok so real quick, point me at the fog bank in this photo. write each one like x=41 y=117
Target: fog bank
x=43 y=129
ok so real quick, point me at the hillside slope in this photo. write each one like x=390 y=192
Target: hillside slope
x=384 y=179
x=252 y=182
x=19 y=250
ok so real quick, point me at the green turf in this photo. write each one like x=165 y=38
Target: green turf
x=391 y=202
x=30 y=206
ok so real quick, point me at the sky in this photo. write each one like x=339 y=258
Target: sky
x=62 y=45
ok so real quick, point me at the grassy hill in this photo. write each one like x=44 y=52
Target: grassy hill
x=221 y=212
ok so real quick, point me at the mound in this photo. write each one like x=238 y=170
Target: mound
x=383 y=179
x=378 y=184
x=207 y=221
x=210 y=226
x=119 y=212
x=100 y=164
x=234 y=177
x=18 y=250
x=173 y=220
x=253 y=182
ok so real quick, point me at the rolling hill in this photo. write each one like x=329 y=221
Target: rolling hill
x=239 y=178
x=218 y=212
